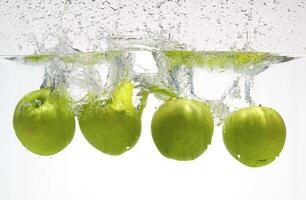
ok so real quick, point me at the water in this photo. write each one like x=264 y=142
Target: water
x=166 y=74
x=268 y=25
x=225 y=80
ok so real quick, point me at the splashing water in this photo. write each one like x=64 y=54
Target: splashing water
x=222 y=79
x=269 y=25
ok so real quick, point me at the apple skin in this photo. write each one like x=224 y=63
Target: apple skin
x=254 y=135
x=114 y=126
x=182 y=129
x=44 y=122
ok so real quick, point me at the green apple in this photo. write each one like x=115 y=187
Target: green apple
x=114 y=126
x=44 y=122
x=182 y=129
x=255 y=135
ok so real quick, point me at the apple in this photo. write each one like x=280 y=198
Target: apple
x=182 y=129
x=44 y=122
x=112 y=126
x=254 y=135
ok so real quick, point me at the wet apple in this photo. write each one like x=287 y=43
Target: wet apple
x=182 y=129
x=113 y=126
x=255 y=135
x=44 y=122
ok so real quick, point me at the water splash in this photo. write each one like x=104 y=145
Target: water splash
x=267 y=25
x=166 y=73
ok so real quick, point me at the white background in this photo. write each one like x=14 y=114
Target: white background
x=81 y=172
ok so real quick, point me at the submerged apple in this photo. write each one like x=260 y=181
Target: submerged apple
x=44 y=122
x=112 y=127
x=182 y=129
x=255 y=135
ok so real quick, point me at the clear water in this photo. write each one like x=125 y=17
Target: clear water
x=166 y=74
x=268 y=25
x=82 y=172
